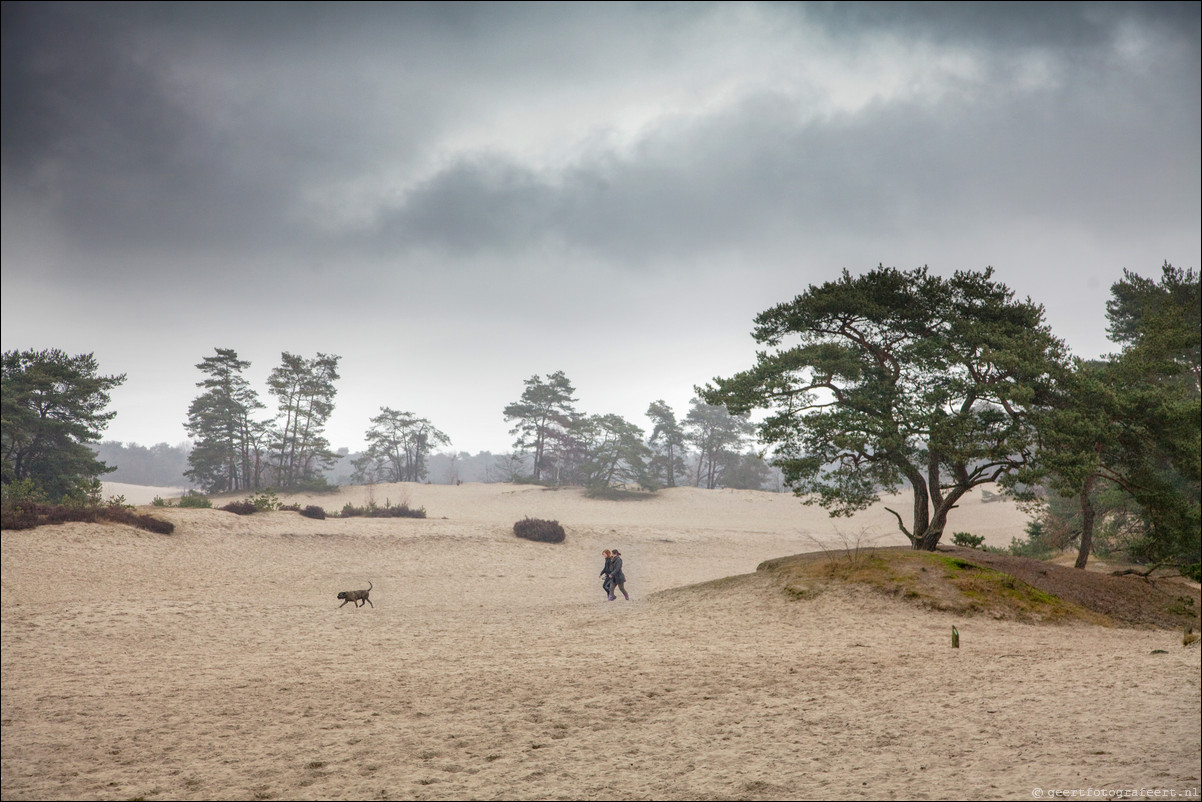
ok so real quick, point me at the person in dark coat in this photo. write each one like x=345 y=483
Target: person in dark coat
x=617 y=578
x=607 y=582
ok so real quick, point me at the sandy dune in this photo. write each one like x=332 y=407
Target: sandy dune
x=216 y=664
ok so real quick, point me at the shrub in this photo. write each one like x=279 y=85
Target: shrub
x=156 y=525
x=316 y=485
x=313 y=511
x=387 y=511
x=608 y=493
x=195 y=500
x=540 y=530
x=265 y=501
x=28 y=515
x=1037 y=546
x=289 y=508
x=246 y=507
x=968 y=541
x=404 y=511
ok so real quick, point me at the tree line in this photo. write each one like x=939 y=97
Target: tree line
x=234 y=447
x=870 y=383
x=557 y=444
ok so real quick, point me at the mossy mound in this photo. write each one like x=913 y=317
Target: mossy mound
x=971 y=582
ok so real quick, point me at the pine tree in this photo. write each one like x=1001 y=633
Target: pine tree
x=53 y=407
x=667 y=443
x=304 y=389
x=897 y=378
x=546 y=417
x=228 y=450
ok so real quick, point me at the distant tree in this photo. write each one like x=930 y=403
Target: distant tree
x=368 y=469
x=227 y=453
x=899 y=377
x=614 y=453
x=160 y=464
x=667 y=444
x=718 y=436
x=546 y=417
x=452 y=470
x=401 y=443
x=304 y=389
x=746 y=471
x=506 y=468
x=53 y=407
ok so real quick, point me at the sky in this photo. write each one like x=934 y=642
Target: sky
x=456 y=197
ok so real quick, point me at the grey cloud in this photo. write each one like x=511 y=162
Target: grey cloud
x=1061 y=155
x=232 y=128
x=1004 y=25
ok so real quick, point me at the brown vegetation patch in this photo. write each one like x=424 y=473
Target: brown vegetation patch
x=970 y=581
x=29 y=515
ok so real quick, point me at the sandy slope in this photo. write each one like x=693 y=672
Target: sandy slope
x=215 y=663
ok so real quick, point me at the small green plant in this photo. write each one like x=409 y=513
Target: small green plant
x=372 y=510
x=158 y=502
x=195 y=500
x=968 y=541
x=1037 y=546
x=265 y=501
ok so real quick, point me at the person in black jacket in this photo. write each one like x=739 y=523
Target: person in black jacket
x=607 y=582
x=617 y=578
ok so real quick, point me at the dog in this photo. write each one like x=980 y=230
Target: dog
x=356 y=596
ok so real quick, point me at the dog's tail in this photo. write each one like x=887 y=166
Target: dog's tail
x=369 y=585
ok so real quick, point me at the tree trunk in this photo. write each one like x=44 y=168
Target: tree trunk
x=1087 y=516
x=929 y=539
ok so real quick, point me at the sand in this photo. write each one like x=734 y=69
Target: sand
x=215 y=663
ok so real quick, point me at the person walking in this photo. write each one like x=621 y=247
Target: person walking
x=607 y=582
x=617 y=578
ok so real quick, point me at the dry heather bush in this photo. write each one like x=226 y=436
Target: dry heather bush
x=241 y=508
x=540 y=530
x=313 y=511
x=28 y=515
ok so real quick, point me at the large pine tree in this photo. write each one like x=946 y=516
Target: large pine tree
x=228 y=450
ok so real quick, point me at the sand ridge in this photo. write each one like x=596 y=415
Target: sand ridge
x=215 y=663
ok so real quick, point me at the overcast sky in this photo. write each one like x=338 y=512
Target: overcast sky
x=456 y=197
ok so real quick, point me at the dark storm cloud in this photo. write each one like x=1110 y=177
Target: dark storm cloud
x=231 y=127
x=180 y=126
